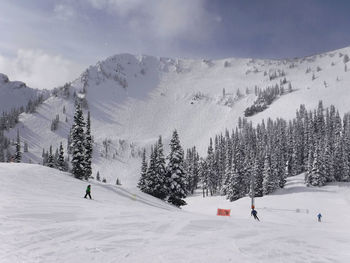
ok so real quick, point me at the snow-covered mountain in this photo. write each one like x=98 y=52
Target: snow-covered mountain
x=14 y=94
x=133 y=99
x=45 y=219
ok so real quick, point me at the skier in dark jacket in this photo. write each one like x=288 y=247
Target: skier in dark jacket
x=88 y=191
x=255 y=214
x=319 y=216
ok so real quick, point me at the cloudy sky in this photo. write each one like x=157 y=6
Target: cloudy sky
x=49 y=42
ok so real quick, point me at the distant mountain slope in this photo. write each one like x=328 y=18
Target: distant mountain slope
x=14 y=94
x=133 y=99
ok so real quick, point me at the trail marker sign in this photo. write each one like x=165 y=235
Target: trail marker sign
x=223 y=212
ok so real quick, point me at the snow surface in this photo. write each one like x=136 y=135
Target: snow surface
x=134 y=99
x=43 y=218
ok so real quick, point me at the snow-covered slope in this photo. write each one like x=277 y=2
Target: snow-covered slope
x=43 y=218
x=133 y=99
x=14 y=94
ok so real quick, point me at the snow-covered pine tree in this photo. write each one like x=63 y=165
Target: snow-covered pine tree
x=18 y=154
x=149 y=184
x=191 y=166
x=276 y=172
x=55 y=158
x=287 y=171
x=228 y=172
x=338 y=160
x=60 y=159
x=77 y=144
x=25 y=147
x=235 y=189
x=212 y=173
x=203 y=176
x=345 y=173
x=143 y=177
x=188 y=168
x=195 y=169
x=176 y=173
x=50 y=159
x=257 y=173
x=153 y=185
x=316 y=177
x=2 y=155
x=161 y=190
x=268 y=182
x=88 y=148
x=328 y=166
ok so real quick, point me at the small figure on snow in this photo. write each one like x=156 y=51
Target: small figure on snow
x=319 y=216
x=88 y=191
x=255 y=214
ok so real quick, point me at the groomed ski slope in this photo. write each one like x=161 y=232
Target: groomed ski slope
x=43 y=218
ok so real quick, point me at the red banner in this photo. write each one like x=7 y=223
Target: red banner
x=224 y=212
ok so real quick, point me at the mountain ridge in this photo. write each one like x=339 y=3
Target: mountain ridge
x=135 y=98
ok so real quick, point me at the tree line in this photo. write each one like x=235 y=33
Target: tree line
x=258 y=159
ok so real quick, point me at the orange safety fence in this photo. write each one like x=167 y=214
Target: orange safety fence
x=224 y=212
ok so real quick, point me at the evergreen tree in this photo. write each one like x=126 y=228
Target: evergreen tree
x=2 y=155
x=142 y=182
x=176 y=173
x=160 y=170
x=18 y=154
x=154 y=184
x=268 y=183
x=203 y=175
x=25 y=147
x=316 y=177
x=60 y=159
x=338 y=161
x=195 y=170
x=235 y=190
x=286 y=174
x=211 y=173
x=50 y=159
x=258 y=177
x=228 y=173
x=77 y=144
x=88 y=149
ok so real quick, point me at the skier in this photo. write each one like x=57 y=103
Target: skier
x=255 y=214
x=319 y=216
x=88 y=191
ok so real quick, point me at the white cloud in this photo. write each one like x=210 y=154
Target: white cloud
x=122 y=7
x=39 y=69
x=63 y=11
x=165 y=19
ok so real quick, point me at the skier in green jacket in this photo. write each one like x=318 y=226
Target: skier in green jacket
x=88 y=191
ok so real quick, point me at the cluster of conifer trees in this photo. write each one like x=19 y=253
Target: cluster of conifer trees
x=260 y=158
x=166 y=181
x=266 y=97
x=55 y=160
